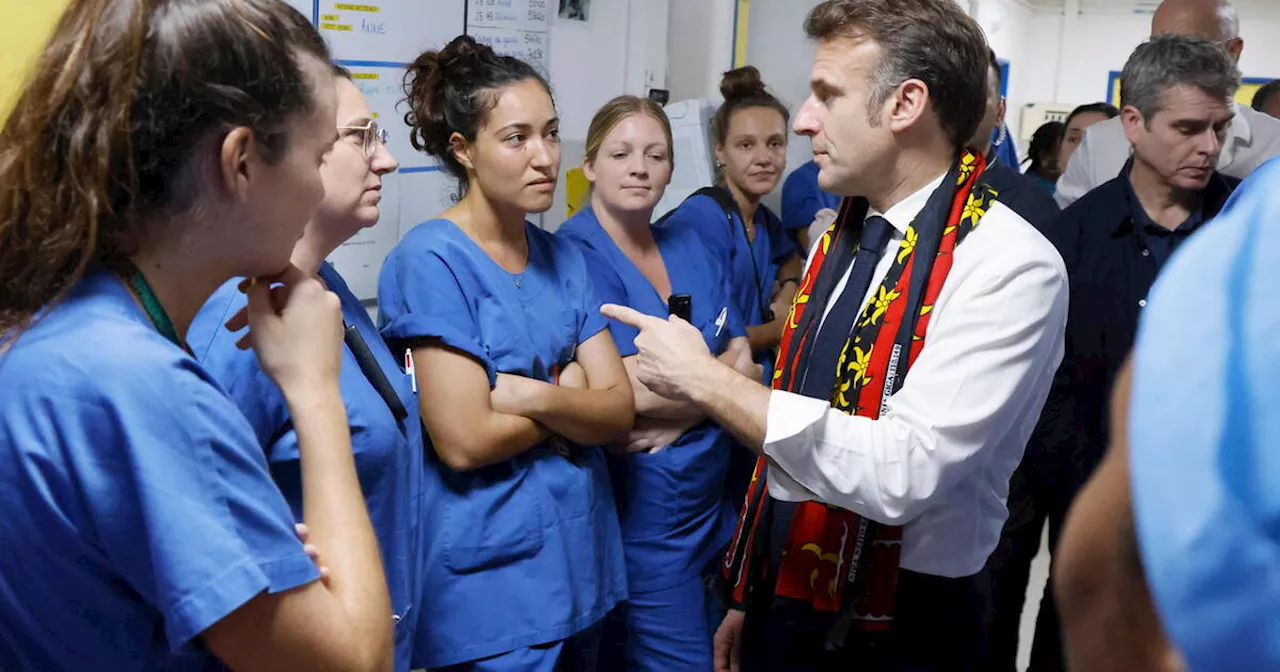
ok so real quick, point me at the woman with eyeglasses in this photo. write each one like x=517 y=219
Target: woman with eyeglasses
x=382 y=412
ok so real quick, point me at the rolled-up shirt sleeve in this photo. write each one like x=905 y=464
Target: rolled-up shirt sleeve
x=991 y=350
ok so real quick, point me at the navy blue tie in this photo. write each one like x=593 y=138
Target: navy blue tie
x=819 y=377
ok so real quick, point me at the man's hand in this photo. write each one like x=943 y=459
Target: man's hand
x=728 y=642
x=670 y=353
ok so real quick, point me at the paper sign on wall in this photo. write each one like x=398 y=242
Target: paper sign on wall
x=376 y=40
x=519 y=28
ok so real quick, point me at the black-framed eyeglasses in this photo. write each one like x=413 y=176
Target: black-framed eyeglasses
x=370 y=136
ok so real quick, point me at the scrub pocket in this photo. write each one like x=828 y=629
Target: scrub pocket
x=491 y=519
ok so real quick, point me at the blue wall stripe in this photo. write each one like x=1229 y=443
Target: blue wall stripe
x=372 y=64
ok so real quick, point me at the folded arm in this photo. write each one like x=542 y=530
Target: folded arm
x=465 y=429
x=599 y=414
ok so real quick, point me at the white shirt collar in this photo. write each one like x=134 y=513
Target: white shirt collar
x=1240 y=128
x=901 y=215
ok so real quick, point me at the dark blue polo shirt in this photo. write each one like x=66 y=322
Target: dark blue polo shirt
x=1158 y=241
x=1113 y=252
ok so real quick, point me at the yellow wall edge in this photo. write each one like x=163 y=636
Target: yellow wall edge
x=23 y=33
x=742 y=33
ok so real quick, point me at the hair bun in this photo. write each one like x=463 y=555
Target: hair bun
x=452 y=90
x=425 y=84
x=743 y=82
x=463 y=51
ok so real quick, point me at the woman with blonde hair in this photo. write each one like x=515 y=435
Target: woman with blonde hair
x=669 y=477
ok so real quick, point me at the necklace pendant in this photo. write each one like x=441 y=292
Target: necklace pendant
x=518 y=279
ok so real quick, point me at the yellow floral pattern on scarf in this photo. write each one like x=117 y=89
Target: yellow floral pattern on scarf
x=908 y=245
x=879 y=305
x=859 y=366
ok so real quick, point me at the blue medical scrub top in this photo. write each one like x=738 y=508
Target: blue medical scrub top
x=672 y=504
x=1203 y=435
x=802 y=198
x=527 y=551
x=138 y=507
x=770 y=248
x=388 y=454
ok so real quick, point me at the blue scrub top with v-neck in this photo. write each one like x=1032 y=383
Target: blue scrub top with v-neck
x=728 y=243
x=527 y=551
x=138 y=509
x=388 y=453
x=672 y=503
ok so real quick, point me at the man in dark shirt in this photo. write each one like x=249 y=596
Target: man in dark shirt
x=1176 y=101
x=1012 y=188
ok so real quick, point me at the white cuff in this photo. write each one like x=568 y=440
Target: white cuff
x=784 y=488
x=788 y=443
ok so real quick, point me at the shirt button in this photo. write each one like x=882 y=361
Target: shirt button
x=1142 y=303
x=1146 y=252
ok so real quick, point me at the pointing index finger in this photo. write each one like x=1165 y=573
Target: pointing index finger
x=629 y=316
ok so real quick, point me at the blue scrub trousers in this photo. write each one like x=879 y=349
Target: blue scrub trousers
x=669 y=630
x=575 y=654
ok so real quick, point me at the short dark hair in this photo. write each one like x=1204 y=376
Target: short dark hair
x=1166 y=61
x=1092 y=108
x=1264 y=94
x=995 y=65
x=1044 y=145
x=930 y=40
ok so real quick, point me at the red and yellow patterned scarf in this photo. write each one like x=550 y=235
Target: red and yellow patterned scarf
x=833 y=559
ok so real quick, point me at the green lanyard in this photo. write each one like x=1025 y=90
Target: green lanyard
x=141 y=290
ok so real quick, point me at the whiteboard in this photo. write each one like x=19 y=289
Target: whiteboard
x=376 y=40
x=519 y=28
x=394 y=31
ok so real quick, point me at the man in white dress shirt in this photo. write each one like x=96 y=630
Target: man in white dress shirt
x=916 y=361
x=1254 y=136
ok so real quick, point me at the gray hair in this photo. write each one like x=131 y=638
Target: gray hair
x=1166 y=61
x=1228 y=20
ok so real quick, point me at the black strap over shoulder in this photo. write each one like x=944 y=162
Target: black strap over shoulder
x=373 y=372
x=720 y=195
x=724 y=199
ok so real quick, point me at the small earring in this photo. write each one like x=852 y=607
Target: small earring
x=1004 y=131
